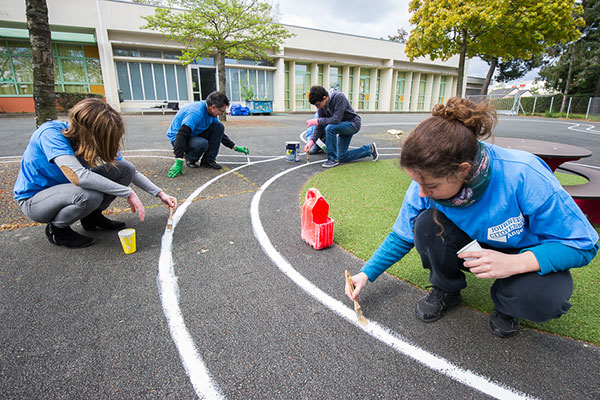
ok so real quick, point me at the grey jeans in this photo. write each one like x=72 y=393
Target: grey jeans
x=64 y=204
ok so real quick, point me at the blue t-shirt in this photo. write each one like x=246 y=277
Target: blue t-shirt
x=524 y=206
x=195 y=116
x=38 y=172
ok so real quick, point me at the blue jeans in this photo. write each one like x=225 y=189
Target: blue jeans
x=532 y=296
x=207 y=143
x=338 y=137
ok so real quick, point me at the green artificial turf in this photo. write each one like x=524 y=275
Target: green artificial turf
x=364 y=200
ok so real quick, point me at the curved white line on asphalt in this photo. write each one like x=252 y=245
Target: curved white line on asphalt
x=573 y=125
x=203 y=384
x=379 y=332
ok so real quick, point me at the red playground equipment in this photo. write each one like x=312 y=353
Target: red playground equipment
x=317 y=227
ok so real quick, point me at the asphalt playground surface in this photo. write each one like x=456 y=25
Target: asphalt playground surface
x=233 y=304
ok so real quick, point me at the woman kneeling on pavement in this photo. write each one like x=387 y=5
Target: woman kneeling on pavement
x=73 y=170
x=531 y=230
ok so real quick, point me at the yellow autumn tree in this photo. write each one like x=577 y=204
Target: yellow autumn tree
x=507 y=29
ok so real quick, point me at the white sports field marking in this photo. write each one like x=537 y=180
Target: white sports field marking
x=203 y=384
x=574 y=126
x=377 y=331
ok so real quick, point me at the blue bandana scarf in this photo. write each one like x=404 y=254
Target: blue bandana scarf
x=476 y=184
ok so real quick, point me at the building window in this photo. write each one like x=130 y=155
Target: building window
x=76 y=68
x=150 y=81
x=422 y=89
x=260 y=81
x=286 y=95
x=303 y=81
x=321 y=69
x=377 y=91
x=364 y=89
x=400 y=85
x=442 y=89
x=335 y=78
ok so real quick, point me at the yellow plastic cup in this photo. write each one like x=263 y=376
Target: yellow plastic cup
x=127 y=237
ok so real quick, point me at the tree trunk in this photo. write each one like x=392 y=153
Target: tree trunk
x=44 y=96
x=568 y=83
x=461 y=67
x=597 y=90
x=488 y=77
x=220 y=59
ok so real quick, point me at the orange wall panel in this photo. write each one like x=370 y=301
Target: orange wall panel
x=16 y=104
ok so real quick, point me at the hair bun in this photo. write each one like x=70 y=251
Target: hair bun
x=480 y=118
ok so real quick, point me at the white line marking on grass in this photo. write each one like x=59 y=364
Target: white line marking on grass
x=203 y=384
x=385 y=335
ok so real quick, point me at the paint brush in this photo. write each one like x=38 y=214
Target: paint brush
x=307 y=158
x=170 y=221
x=362 y=321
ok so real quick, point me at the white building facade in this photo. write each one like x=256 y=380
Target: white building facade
x=100 y=48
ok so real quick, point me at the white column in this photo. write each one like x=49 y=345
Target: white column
x=292 y=85
x=415 y=90
x=436 y=90
x=107 y=63
x=394 y=90
x=450 y=89
x=314 y=74
x=428 y=90
x=356 y=87
x=279 y=85
x=326 y=76
x=386 y=87
x=408 y=78
x=373 y=89
x=346 y=81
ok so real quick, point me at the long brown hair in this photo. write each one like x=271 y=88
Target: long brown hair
x=439 y=144
x=96 y=131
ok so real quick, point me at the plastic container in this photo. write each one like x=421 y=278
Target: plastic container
x=317 y=226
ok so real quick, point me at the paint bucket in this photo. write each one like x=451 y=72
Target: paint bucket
x=127 y=237
x=292 y=151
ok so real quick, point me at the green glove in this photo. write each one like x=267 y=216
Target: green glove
x=176 y=168
x=242 y=149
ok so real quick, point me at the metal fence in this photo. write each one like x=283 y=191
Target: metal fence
x=541 y=104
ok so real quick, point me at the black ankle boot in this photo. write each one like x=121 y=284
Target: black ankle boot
x=67 y=237
x=96 y=220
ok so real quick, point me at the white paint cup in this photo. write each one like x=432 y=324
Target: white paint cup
x=473 y=246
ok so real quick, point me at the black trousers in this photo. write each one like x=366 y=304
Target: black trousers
x=531 y=296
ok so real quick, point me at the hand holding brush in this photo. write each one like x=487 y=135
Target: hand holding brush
x=357 y=308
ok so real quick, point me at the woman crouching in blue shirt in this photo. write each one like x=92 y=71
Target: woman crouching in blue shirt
x=73 y=170
x=462 y=189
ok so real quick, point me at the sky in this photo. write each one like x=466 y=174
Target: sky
x=377 y=19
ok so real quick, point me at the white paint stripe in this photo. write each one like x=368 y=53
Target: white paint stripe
x=203 y=384
x=379 y=332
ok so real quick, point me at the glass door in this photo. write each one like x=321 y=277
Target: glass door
x=204 y=81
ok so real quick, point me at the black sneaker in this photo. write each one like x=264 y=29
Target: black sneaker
x=210 y=164
x=431 y=307
x=374 y=152
x=96 y=220
x=330 y=164
x=503 y=325
x=67 y=237
x=191 y=164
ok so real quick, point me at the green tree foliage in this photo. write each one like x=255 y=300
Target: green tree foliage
x=583 y=56
x=491 y=29
x=240 y=29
